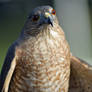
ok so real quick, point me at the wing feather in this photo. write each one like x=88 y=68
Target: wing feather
x=9 y=75
x=80 y=76
x=7 y=64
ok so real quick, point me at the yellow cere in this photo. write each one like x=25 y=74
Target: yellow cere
x=47 y=14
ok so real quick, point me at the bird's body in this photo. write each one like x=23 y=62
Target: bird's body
x=42 y=57
x=41 y=66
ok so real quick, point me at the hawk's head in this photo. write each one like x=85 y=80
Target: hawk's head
x=39 y=19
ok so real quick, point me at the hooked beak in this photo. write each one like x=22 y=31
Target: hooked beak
x=48 y=18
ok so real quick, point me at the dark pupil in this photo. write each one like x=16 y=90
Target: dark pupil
x=53 y=12
x=35 y=17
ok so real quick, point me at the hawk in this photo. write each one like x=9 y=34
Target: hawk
x=40 y=59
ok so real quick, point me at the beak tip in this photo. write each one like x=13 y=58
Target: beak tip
x=50 y=22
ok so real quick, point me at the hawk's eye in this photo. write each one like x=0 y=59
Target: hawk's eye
x=53 y=12
x=35 y=17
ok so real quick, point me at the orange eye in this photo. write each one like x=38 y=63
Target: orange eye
x=53 y=12
x=35 y=18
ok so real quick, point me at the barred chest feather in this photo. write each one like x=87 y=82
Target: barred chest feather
x=43 y=65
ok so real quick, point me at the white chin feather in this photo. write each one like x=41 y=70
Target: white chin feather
x=53 y=33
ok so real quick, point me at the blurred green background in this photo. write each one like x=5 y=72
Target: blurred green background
x=75 y=17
